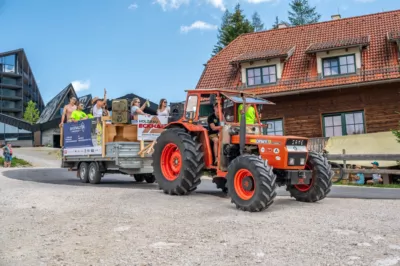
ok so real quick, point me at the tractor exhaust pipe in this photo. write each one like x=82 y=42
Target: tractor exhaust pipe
x=242 y=132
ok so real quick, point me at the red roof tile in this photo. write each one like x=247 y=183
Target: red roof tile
x=261 y=55
x=344 y=43
x=299 y=72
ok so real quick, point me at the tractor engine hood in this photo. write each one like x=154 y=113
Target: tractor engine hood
x=281 y=152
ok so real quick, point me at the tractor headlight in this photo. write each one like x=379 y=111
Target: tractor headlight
x=291 y=161
x=302 y=161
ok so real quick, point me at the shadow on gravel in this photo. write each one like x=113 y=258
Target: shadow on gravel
x=59 y=176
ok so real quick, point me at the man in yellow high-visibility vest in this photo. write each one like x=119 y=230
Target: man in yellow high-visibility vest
x=250 y=114
x=78 y=114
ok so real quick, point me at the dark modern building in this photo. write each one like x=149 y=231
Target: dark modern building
x=17 y=87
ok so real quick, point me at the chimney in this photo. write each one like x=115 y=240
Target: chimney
x=336 y=17
x=282 y=25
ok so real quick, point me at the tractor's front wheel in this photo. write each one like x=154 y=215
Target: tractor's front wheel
x=177 y=162
x=251 y=183
x=321 y=180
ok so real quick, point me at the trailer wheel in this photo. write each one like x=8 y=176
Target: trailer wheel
x=138 y=178
x=83 y=172
x=177 y=162
x=321 y=180
x=94 y=173
x=251 y=183
x=150 y=178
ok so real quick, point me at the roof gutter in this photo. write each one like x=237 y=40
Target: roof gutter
x=279 y=94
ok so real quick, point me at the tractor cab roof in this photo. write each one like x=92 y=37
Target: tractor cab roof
x=233 y=95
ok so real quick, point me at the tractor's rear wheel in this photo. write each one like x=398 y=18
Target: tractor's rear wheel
x=177 y=162
x=251 y=183
x=321 y=180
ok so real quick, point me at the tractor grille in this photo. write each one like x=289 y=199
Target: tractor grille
x=297 y=158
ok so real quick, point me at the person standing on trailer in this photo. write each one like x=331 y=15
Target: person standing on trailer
x=68 y=109
x=136 y=109
x=98 y=105
x=79 y=114
x=163 y=109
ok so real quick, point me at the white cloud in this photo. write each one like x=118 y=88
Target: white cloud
x=259 y=1
x=198 y=25
x=171 y=4
x=81 y=85
x=217 y=3
x=133 y=6
x=175 y=4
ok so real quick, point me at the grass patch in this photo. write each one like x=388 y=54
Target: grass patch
x=375 y=185
x=15 y=162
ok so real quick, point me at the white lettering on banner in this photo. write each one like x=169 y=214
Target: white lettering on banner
x=150 y=127
x=83 y=151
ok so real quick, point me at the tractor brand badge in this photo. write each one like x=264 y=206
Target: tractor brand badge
x=264 y=141
x=261 y=141
x=263 y=149
x=276 y=150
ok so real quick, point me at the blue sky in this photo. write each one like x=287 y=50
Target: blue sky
x=154 y=48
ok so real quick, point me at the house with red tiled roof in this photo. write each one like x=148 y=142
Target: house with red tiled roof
x=338 y=77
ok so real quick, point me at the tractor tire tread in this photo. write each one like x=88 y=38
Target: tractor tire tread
x=192 y=157
x=322 y=185
x=265 y=194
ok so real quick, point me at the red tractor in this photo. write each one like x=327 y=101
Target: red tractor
x=249 y=164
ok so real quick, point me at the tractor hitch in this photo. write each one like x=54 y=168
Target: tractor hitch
x=298 y=177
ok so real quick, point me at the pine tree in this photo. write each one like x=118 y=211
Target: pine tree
x=31 y=114
x=276 y=23
x=225 y=21
x=256 y=22
x=302 y=13
x=233 y=25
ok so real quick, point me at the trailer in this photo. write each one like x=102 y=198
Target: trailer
x=95 y=147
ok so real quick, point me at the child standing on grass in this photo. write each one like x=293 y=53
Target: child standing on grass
x=7 y=153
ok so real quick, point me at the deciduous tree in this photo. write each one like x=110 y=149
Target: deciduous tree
x=31 y=114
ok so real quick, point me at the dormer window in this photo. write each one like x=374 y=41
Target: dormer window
x=340 y=65
x=338 y=57
x=262 y=67
x=261 y=75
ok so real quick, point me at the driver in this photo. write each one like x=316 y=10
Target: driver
x=213 y=130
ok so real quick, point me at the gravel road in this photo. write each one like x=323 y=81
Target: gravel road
x=52 y=224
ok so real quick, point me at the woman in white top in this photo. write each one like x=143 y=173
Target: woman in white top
x=136 y=109
x=98 y=105
x=163 y=109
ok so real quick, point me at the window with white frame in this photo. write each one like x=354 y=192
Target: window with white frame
x=261 y=75
x=275 y=127
x=341 y=124
x=340 y=65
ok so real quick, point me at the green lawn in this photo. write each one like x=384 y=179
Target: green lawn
x=16 y=162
